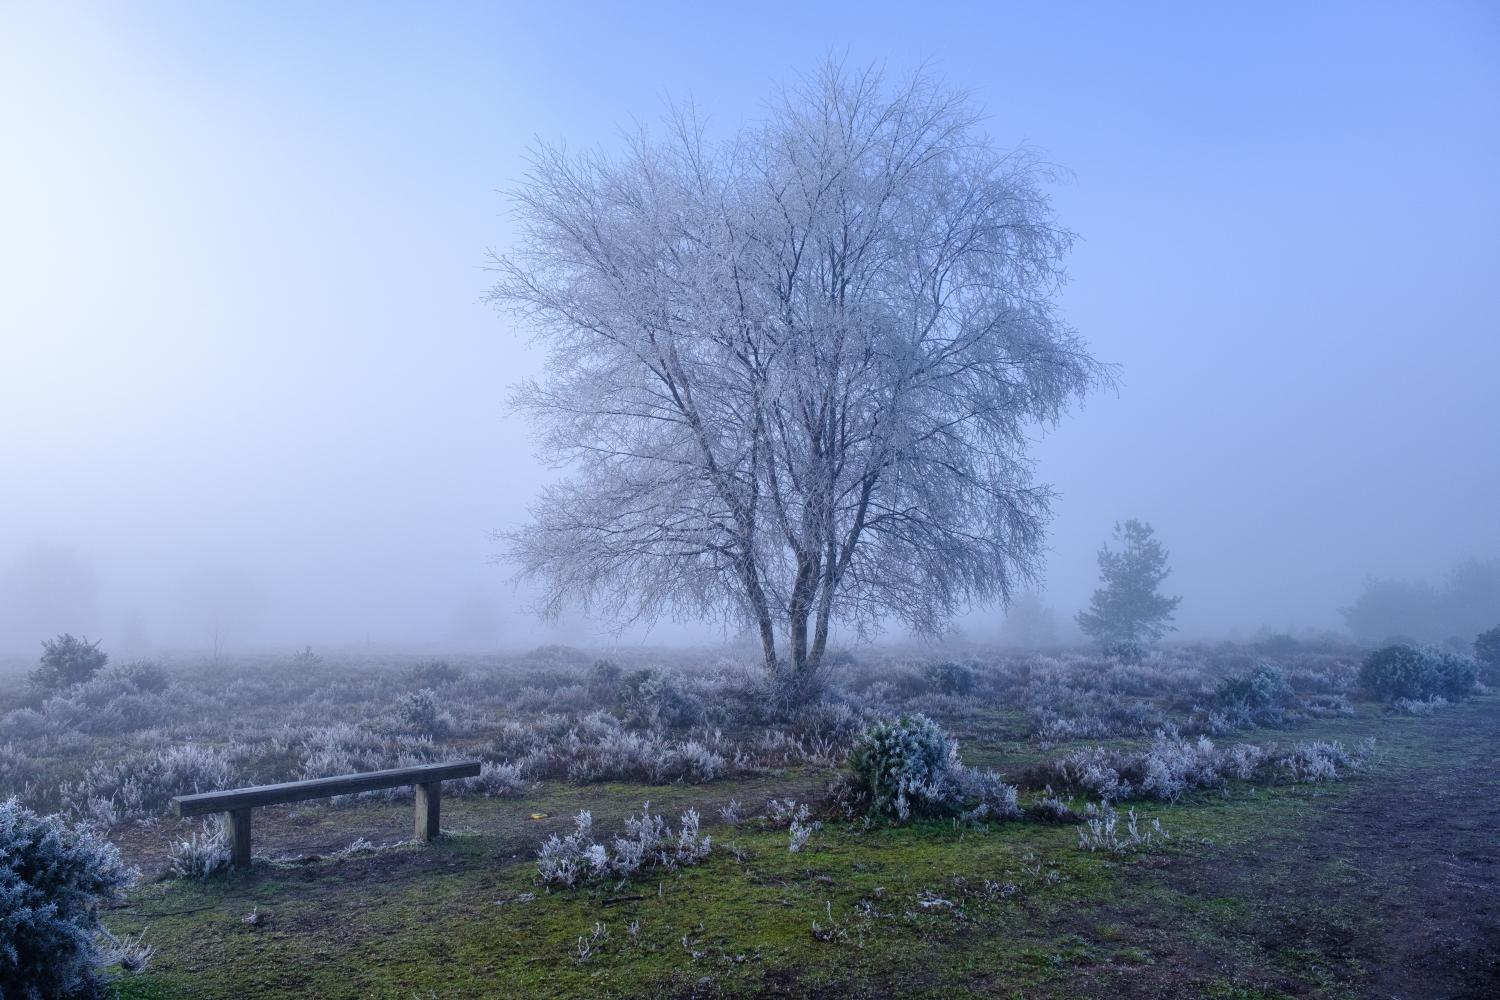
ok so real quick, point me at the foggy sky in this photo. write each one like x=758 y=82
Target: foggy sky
x=246 y=379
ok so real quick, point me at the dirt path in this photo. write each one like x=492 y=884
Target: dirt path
x=1395 y=889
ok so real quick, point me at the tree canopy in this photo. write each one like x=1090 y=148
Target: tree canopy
x=1128 y=608
x=791 y=374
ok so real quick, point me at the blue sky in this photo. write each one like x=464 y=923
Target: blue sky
x=241 y=254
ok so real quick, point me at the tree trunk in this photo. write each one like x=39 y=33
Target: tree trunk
x=767 y=642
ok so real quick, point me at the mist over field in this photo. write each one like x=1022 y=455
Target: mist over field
x=701 y=502
x=250 y=387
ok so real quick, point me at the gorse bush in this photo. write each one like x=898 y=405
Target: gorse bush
x=66 y=661
x=1258 y=697
x=910 y=765
x=1405 y=672
x=53 y=877
x=894 y=759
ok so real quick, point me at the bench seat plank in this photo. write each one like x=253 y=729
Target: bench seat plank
x=319 y=788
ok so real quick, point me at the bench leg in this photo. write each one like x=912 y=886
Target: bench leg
x=237 y=827
x=429 y=810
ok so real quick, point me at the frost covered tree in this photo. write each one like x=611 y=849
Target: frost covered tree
x=792 y=373
x=67 y=660
x=1128 y=609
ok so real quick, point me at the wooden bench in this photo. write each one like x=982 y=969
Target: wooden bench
x=236 y=803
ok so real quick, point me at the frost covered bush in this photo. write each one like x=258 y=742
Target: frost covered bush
x=1173 y=766
x=1126 y=650
x=494 y=781
x=648 y=842
x=1170 y=767
x=53 y=878
x=329 y=751
x=67 y=660
x=200 y=857
x=143 y=675
x=433 y=674
x=419 y=712
x=950 y=678
x=1487 y=648
x=660 y=700
x=910 y=765
x=599 y=748
x=1397 y=672
x=1316 y=761
x=1101 y=832
x=1066 y=707
x=1260 y=696
x=798 y=834
x=25 y=724
x=108 y=704
x=1051 y=809
x=793 y=817
x=896 y=760
x=1419 y=706
x=603 y=682
x=142 y=784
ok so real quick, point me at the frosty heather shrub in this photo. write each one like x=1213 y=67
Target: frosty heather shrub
x=798 y=834
x=1173 y=766
x=419 y=712
x=1456 y=676
x=140 y=785
x=145 y=676
x=1101 y=832
x=494 y=781
x=659 y=699
x=1051 y=809
x=950 y=678
x=1419 y=706
x=604 y=682
x=599 y=748
x=201 y=856
x=648 y=842
x=782 y=813
x=1314 y=761
x=25 y=724
x=53 y=877
x=346 y=749
x=910 y=765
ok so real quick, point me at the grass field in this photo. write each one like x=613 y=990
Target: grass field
x=1382 y=885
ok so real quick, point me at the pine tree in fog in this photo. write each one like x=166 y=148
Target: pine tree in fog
x=1128 y=609
x=792 y=374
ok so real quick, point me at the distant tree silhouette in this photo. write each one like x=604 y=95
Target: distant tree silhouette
x=1128 y=609
x=66 y=661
